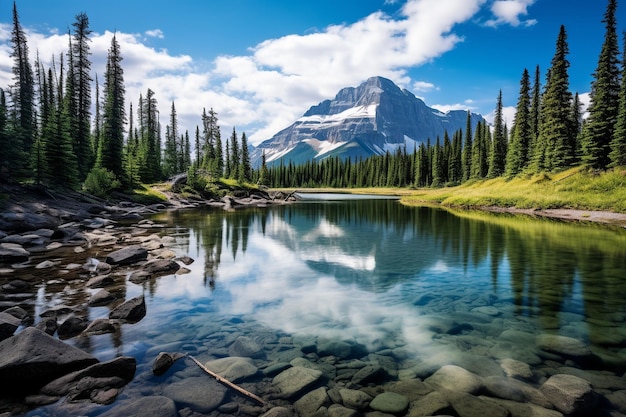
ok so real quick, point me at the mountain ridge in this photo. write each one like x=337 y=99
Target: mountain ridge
x=375 y=117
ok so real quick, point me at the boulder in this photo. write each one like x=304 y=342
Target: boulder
x=33 y=358
x=516 y=369
x=139 y=277
x=13 y=253
x=245 y=346
x=151 y=406
x=164 y=361
x=101 y=298
x=391 y=403
x=369 y=373
x=562 y=345
x=131 y=311
x=48 y=325
x=100 y=281
x=123 y=368
x=470 y=406
x=199 y=393
x=161 y=266
x=8 y=325
x=279 y=412
x=353 y=398
x=127 y=256
x=295 y=381
x=17 y=312
x=16 y=286
x=569 y=394
x=234 y=369
x=100 y=326
x=455 y=378
x=312 y=401
x=335 y=348
x=431 y=404
x=71 y=327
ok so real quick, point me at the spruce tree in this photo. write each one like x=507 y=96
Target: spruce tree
x=618 y=142
x=467 y=148
x=81 y=66
x=23 y=98
x=97 y=122
x=605 y=89
x=110 y=155
x=245 y=168
x=555 y=125
x=497 y=157
x=517 y=154
x=234 y=155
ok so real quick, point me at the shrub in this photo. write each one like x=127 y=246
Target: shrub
x=100 y=181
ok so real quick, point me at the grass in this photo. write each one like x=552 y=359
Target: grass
x=150 y=194
x=576 y=188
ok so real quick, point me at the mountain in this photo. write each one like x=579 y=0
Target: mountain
x=371 y=119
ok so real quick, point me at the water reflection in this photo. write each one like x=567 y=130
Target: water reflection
x=381 y=273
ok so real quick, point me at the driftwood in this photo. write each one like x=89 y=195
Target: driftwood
x=228 y=383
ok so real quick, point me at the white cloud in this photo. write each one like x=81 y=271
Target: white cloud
x=444 y=108
x=266 y=90
x=509 y=12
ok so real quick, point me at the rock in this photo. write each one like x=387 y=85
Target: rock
x=17 y=312
x=335 y=348
x=199 y=393
x=279 y=412
x=517 y=409
x=151 y=406
x=100 y=326
x=16 y=286
x=455 y=378
x=13 y=253
x=276 y=368
x=161 y=266
x=139 y=277
x=48 y=325
x=469 y=406
x=8 y=325
x=429 y=405
x=312 y=401
x=164 y=361
x=234 y=369
x=562 y=345
x=569 y=394
x=33 y=358
x=353 y=398
x=186 y=260
x=131 y=311
x=516 y=369
x=244 y=346
x=369 y=373
x=500 y=387
x=101 y=298
x=337 y=410
x=73 y=326
x=390 y=402
x=296 y=380
x=100 y=281
x=127 y=256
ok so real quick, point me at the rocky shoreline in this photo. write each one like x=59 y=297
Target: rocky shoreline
x=80 y=241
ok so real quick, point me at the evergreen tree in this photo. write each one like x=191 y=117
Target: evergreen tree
x=227 y=164
x=467 y=149
x=555 y=125
x=97 y=123
x=23 y=98
x=497 y=157
x=81 y=66
x=604 y=96
x=150 y=141
x=245 y=168
x=114 y=115
x=535 y=110
x=618 y=143
x=234 y=155
x=517 y=155
x=197 y=161
x=576 y=130
x=437 y=165
x=186 y=153
x=170 y=155
x=455 y=166
x=9 y=147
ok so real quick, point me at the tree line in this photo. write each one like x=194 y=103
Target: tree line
x=548 y=134
x=48 y=135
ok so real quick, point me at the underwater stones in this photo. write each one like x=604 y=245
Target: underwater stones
x=72 y=326
x=455 y=378
x=562 y=345
x=429 y=405
x=127 y=256
x=199 y=393
x=335 y=348
x=470 y=406
x=390 y=402
x=312 y=401
x=234 y=369
x=356 y=399
x=154 y=405
x=369 y=373
x=569 y=394
x=296 y=380
x=13 y=253
x=246 y=347
x=100 y=298
x=100 y=281
x=516 y=369
x=131 y=311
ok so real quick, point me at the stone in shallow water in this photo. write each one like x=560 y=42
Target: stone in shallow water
x=390 y=402
x=234 y=369
x=245 y=346
x=353 y=398
x=455 y=378
x=312 y=401
x=562 y=345
x=429 y=405
x=569 y=394
x=467 y=405
x=296 y=380
x=516 y=369
x=201 y=394
x=151 y=406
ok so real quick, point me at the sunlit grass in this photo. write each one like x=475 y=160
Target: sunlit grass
x=150 y=194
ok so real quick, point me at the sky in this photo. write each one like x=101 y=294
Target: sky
x=261 y=64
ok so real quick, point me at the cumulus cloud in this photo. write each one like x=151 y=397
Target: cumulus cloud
x=509 y=12
x=266 y=90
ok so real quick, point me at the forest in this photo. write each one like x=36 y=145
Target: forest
x=49 y=136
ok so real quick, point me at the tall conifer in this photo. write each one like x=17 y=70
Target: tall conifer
x=517 y=155
x=618 y=143
x=497 y=156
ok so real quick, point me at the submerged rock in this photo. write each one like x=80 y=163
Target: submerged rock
x=127 y=256
x=202 y=394
x=455 y=378
x=155 y=405
x=390 y=402
x=562 y=345
x=569 y=394
x=234 y=369
x=131 y=311
x=296 y=380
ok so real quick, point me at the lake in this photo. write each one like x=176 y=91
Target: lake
x=346 y=283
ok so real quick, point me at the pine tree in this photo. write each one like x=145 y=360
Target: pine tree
x=555 y=126
x=497 y=157
x=23 y=98
x=437 y=165
x=186 y=153
x=576 y=130
x=467 y=149
x=171 y=154
x=97 y=122
x=114 y=115
x=245 y=168
x=234 y=155
x=618 y=143
x=150 y=142
x=81 y=66
x=604 y=96
x=197 y=161
x=517 y=155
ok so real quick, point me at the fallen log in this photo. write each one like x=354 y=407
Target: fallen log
x=228 y=383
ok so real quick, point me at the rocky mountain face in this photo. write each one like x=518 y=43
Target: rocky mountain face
x=371 y=119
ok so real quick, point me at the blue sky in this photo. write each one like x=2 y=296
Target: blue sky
x=262 y=64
